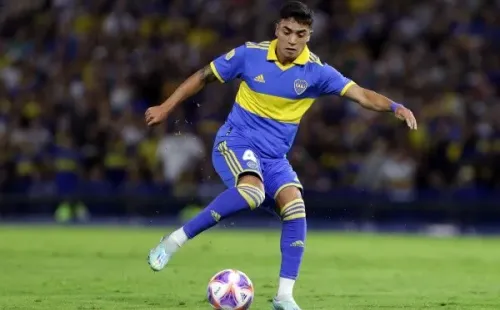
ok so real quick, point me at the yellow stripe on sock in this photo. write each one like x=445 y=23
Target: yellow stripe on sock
x=295 y=215
x=291 y=203
x=254 y=190
x=253 y=195
x=251 y=202
x=293 y=209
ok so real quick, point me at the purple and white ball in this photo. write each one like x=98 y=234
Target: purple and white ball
x=230 y=289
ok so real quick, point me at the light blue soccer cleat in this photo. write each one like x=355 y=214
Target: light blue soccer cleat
x=158 y=257
x=284 y=305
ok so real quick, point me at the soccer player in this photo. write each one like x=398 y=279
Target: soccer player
x=280 y=80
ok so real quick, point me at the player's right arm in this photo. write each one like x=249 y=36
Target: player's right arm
x=188 y=88
x=332 y=82
x=224 y=68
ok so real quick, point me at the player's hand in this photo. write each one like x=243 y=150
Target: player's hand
x=406 y=115
x=155 y=115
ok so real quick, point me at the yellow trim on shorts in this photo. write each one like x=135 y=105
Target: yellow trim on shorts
x=282 y=187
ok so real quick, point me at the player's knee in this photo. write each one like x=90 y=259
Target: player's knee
x=287 y=194
x=250 y=186
x=291 y=204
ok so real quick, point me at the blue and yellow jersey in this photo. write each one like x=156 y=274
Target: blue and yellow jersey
x=272 y=98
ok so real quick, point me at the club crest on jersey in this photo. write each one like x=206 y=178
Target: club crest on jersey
x=300 y=86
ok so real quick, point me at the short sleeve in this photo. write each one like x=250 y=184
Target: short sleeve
x=229 y=66
x=332 y=82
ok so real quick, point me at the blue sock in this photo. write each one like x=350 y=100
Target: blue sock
x=226 y=204
x=293 y=238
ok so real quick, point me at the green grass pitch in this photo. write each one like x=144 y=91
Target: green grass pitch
x=94 y=268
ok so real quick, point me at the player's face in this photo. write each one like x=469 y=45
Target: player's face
x=292 y=38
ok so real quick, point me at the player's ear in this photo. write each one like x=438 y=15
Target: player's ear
x=309 y=36
x=277 y=25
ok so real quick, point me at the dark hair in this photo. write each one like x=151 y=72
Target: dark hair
x=298 y=11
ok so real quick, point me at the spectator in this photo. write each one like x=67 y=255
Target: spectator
x=76 y=77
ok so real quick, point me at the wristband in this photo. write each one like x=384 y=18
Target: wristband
x=394 y=106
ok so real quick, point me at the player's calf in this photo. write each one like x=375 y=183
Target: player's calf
x=249 y=193
x=293 y=237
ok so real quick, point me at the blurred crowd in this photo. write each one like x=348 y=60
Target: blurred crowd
x=77 y=75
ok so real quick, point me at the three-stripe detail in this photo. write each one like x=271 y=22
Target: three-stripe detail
x=295 y=209
x=262 y=45
x=253 y=195
x=231 y=160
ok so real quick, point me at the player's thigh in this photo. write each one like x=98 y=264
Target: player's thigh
x=236 y=161
x=281 y=183
x=278 y=176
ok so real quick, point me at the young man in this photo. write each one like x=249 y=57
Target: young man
x=280 y=81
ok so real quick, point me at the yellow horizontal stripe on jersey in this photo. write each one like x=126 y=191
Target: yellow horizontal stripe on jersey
x=277 y=108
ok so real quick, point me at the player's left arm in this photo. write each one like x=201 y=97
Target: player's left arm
x=374 y=101
x=332 y=82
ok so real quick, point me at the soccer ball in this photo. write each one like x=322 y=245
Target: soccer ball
x=230 y=289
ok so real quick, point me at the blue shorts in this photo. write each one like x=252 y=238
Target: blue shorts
x=233 y=155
